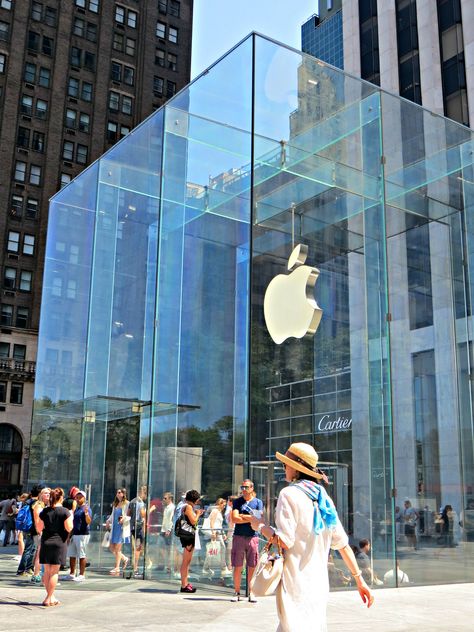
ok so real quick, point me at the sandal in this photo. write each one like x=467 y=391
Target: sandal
x=125 y=562
x=55 y=603
x=115 y=571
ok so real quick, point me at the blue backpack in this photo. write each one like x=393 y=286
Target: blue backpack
x=24 y=518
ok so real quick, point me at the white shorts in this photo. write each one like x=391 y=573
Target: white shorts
x=77 y=546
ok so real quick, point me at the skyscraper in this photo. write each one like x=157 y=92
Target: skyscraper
x=322 y=34
x=421 y=49
x=75 y=77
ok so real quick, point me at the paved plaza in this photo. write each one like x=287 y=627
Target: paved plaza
x=105 y=603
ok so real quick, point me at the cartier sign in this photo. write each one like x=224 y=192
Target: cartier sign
x=328 y=424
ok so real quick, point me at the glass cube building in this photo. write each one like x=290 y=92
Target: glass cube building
x=155 y=365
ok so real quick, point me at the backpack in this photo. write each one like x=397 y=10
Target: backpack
x=24 y=518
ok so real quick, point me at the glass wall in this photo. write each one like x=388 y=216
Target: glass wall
x=156 y=370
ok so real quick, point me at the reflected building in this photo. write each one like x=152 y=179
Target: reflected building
x=175 y=382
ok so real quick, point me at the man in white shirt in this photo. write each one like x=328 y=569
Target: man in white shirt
x=167 y=528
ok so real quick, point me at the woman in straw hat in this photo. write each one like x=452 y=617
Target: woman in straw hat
x=307 y=527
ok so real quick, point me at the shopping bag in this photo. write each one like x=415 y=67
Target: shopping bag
x=106 y=540
x=197 y=541
x=213 y=554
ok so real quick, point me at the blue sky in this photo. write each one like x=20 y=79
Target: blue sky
x=219 y=24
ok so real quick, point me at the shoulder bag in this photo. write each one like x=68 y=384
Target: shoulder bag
x=268 y=572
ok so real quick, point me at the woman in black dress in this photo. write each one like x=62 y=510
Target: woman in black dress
x=56 y=523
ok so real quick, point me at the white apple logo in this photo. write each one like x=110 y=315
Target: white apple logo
x=289 y=306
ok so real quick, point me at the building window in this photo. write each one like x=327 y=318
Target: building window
x=38 y=143
x=175 y=8
x=162 y=6
x=124 y=130
x=57 y=287
x=3 y=392
x=170 y=88
x=23 y=137
x=44 y=77
x=172 y=61
x=71 y=289
x=4 y=31
x=70 y=121
x=132 y=19
x=35 y=175
x=81 y=154
x=129 y=46
x=92 y=5
x=33 y=41
x=30 y=73
x=128 y=75
x=19 y=352
x=4 y=349
x=50 y=16
x=26 y=105
x=16 y=393
x=85 y=29
x=86 y=92
x=73 y=87
x=16 y=209
x=29 y=245
x=3 y=63
x=127 y=105
x=111 y=132
x=13 y=243
x=158 y=85
x=75 y=56
x=32 y=207
x=116 y=72
x=37 y=11
x=6 y=316
x=48 y=45
x=160 y=30
x=84 y=122
x=22 y=315
x=114 y=100
x=68 y=150
x=117 y=42
x=9 y=278
x=173 y=35
x=25 y=280
x=20 y=171
x=64 y=179
x=6 y=4
x=89 y=61
x=159 y=57
x=120 y=14
x=41 y=110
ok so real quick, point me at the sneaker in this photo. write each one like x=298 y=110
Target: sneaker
x=79 y=578
x=188 y=589
x=208 y=571
x=177 y=575
x=226 y=573
x=35 y=579
x=237 y=597
x=252 y=599
x=67 y=578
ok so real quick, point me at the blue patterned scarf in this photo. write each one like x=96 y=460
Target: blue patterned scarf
x=326 y=517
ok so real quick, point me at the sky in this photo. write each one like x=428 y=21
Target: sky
x=220 y=24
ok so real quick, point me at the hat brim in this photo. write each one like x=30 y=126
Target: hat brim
x=297 y=466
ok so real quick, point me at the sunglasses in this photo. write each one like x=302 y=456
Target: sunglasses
x=246 y=487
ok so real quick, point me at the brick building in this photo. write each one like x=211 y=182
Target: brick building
x=75 y=77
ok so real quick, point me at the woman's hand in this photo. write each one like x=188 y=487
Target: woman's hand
x=365 y=592
x=255 y=522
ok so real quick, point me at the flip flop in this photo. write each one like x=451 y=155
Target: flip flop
x=114 y=571
x=55 y=603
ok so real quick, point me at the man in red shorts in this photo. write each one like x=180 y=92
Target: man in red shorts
x=245 y=541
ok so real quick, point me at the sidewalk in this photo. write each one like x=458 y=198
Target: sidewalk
x=141 y=605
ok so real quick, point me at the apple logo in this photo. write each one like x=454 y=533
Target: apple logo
x=289 y=306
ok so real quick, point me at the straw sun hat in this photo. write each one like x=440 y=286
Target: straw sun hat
x=302 y=457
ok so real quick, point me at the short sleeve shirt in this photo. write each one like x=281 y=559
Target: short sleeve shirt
x=53 y=518
x=79 y=521
x=135 y=510
x=247 y=508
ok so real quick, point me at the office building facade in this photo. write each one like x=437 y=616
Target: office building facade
x=75 y=77
x=322 y=34
x=420 y=49
x=174 y=380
